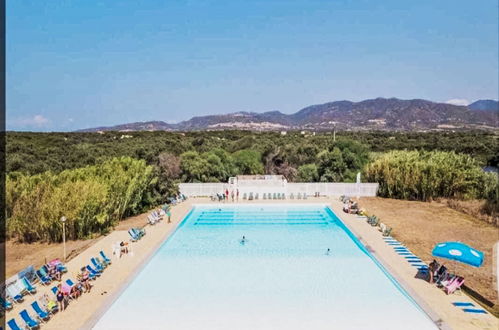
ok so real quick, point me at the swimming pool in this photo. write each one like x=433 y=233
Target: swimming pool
x=204 y=277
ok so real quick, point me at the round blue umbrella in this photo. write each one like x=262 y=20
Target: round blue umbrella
x=460 y=252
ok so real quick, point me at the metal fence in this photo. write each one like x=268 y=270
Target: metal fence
x=309 y=188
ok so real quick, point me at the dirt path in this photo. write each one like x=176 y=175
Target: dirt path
x=20 y=255
x=421 y=225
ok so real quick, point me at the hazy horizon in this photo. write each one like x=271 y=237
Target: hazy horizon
x=76 y=64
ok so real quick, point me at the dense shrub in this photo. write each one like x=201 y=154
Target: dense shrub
x=423 y=175
x=92 y=198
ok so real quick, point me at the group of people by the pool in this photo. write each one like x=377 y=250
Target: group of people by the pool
x=226 y=195
x=439 y=274
x=83 y=285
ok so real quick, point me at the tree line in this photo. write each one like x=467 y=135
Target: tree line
x=35 y=153
x=95 y=180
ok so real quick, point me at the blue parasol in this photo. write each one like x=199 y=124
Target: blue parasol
x=460 y=252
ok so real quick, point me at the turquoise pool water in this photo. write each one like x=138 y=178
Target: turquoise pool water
x=282 y=277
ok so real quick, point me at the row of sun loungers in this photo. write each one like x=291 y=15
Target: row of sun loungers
x=155 y=217
x=175 y=200
x=16 y=290
x=375 y=222
x=43 y=311
x=256 y=196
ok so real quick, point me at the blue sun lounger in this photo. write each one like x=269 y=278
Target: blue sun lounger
x=139 y=232
x=43 y=315
x=45 y=280
x=30 y=323
x=134 y=237
x=13 y=325
x=97 y=266
x=92 y=271
x=7 y=305
x=31 y=289
x=106 y=259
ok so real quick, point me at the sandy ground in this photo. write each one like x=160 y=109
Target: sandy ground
x=84 y=312
x=17 y=258
x=420 y=226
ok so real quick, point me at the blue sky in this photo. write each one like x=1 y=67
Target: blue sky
x=84 y=63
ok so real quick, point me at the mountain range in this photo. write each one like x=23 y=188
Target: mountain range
x=373 y=114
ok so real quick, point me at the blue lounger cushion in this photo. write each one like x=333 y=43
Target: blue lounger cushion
x=473 y=310
x=462 y=304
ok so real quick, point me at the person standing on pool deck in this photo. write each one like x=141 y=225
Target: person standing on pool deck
x=227 y=194
x=237 y=195
x=232 y=195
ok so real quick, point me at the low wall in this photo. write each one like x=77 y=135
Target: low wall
x=309 y=188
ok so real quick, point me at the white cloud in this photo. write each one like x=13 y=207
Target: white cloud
x=458 y=102
x=36 y=121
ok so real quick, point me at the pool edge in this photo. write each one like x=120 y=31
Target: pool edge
x=92 y=321
x=421 y=303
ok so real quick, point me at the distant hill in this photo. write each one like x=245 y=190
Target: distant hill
x=485 y=105
x=139 y=126
x=379 y=114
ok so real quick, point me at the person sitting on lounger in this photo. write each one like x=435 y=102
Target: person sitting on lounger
x=346 y=207
x=54 y=273
x=84 y=278
x=353 y=207
x=123 y=248
x=440 y=274
x=75 y=292
x=48 y=304
x=432 y=267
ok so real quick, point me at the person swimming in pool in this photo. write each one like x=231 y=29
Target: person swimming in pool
x=243 y=240
x=328 y=251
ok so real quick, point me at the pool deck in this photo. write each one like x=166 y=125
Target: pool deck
x=86 y=311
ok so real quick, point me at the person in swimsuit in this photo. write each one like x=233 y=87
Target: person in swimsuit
x=60 y=297
x=84 y=278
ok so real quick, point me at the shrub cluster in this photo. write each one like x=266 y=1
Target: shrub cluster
x=92 y=198
x=425 y=175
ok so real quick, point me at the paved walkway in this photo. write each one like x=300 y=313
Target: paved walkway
x=80 y=312
x=84 y=312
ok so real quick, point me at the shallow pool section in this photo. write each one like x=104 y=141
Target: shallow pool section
x=280 y=277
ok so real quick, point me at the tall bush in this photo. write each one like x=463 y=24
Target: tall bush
x=423 y=175
x=92 y=198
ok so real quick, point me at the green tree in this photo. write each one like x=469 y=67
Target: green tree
x=248 y=161
x=331 y=166
x=308 y=173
